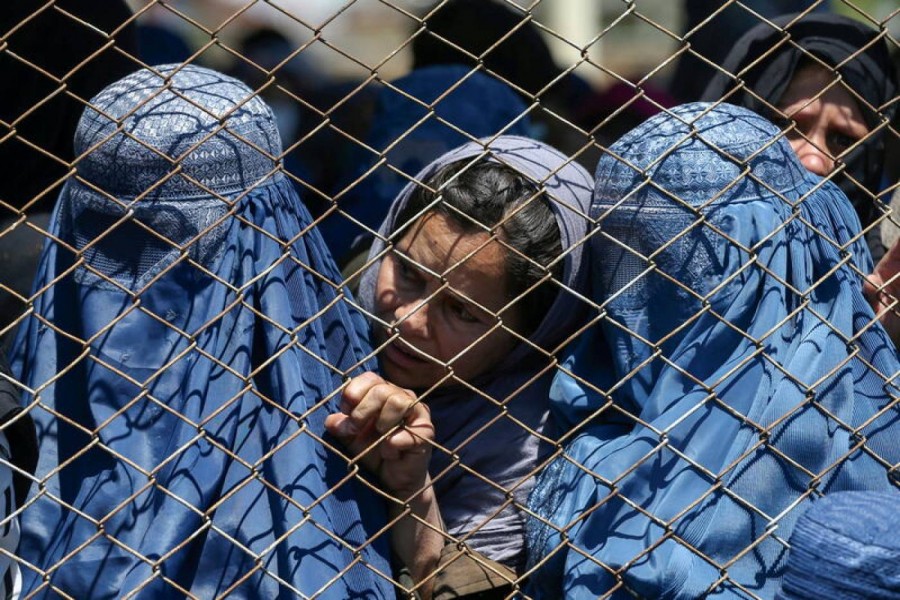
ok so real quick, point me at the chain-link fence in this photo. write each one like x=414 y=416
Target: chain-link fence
x=632 y=386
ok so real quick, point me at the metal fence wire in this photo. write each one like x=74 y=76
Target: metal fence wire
x=181 y=407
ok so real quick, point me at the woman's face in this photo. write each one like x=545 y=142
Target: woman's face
x=442 y=290
x=828 y=122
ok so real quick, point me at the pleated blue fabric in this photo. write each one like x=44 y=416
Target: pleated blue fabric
x=736 y=373
x=846 y=546
x=186 y=343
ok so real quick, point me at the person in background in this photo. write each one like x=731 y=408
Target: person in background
x=510 y=46
x=186 y=343
x=711 y=29
x=736 y=370
x=845 y=546
x=417 y=118
x=831 y=85
x=297 y=98
x=18 y=457
x=473 y=283
x=58 y=57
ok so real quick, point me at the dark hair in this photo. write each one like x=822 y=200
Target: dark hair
x=490 y=196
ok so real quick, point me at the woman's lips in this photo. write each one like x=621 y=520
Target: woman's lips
x=395 y=353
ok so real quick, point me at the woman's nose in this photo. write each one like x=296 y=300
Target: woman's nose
x=411 y=319
x=813 y=155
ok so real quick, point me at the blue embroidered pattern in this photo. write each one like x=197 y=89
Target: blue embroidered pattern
x=138 y=132
x=164 y=155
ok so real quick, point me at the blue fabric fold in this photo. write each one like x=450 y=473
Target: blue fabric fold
x=737 y=370
x=846 y=546
x=186 y=343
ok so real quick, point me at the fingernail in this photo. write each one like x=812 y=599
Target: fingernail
x=347 y=428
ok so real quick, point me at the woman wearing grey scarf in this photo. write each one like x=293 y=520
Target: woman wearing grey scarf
x=475 y=280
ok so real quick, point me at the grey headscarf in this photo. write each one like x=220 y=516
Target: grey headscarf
x=489 y=442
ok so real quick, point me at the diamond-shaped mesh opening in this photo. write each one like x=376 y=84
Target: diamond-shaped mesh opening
x=426 y=298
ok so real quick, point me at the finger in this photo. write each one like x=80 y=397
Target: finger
x=870 y=289
x=418 y=422
x=398 y=403
x=891 y=257
x=357 y=444
x=886 y=271
x=357 y=388
x=405 y=441
x=382 y=398
x=337 y=425
x=415 y=437
x=366 y=411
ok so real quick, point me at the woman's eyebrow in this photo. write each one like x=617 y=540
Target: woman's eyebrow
x=402 y=254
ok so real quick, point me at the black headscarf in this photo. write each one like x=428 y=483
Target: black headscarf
x=522 y=58
x=18 y=427
x=859 y=54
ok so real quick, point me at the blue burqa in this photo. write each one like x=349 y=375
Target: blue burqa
x=736 y=375
x=185 y=345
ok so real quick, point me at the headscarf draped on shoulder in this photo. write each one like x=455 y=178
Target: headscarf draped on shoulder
x=184 y=347
x=760 y=67
x=737 y=372
x=489 y=430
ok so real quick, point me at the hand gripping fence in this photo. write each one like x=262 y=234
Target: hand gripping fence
x=615 y=265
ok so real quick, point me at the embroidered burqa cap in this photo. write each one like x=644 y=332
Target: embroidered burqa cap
x=186 y=343
x=736 y=368
x=846 y=546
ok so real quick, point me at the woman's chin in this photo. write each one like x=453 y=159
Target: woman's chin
x=405 y=369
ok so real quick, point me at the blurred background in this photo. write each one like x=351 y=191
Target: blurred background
x=354 y=35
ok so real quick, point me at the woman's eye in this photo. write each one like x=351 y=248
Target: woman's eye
x=839 y=142
x=406 y=271
x=462 y=312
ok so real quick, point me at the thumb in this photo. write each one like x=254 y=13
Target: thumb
x=355 y=440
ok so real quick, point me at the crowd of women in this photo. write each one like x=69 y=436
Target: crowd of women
x=673 y=379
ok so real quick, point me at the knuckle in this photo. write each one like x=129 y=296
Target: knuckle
x=400 y=400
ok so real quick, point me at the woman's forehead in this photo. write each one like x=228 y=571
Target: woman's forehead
x=472 y=262
x=815 y=81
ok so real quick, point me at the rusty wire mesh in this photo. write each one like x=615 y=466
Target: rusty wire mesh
x=334 y=130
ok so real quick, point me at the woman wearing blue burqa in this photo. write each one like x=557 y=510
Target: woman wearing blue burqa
x=737 y=375
x=185 y=345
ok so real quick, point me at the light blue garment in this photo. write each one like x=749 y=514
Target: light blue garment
x=846 y=546
x=418 y=118
x=737 y=371
x=185 y=347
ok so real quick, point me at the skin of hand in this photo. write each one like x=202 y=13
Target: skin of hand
x=391 y=432
x=882 y=290
x=371 y=407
